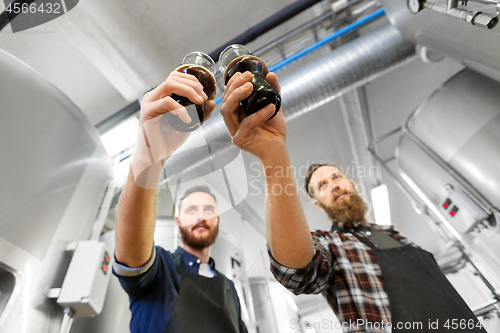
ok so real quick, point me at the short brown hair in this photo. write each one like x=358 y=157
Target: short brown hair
x=313 y=167
x=199 y=188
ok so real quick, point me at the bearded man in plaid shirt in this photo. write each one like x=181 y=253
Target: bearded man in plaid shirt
x=374 y=280
x=346 y=267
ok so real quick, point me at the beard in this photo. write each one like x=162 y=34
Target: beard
x=199 y=243
x=347 y=211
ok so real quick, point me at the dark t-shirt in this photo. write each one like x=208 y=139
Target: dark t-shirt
x=153 y=293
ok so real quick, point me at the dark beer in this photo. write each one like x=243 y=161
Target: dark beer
x=262 y=94
x=195 y=111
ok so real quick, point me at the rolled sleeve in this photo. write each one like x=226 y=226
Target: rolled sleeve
x=312 y=278
x=122 y=270
x=139 y=281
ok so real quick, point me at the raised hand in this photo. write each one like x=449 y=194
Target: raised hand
x=157 y=140
x=254 y=133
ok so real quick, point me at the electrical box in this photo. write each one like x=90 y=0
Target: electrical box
x=86 y=281
x=462 y=212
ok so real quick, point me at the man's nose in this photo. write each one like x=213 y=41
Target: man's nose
x=335 y=187
x=200 y=216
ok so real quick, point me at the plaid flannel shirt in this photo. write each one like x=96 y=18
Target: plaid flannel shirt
x=346 y=272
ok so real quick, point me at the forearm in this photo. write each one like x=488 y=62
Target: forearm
x=135 y=220
x=288 y=233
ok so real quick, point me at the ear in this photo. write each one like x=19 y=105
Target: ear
x=176 y=219
x=316 y=203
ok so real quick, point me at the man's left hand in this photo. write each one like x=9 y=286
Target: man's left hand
x=254 y=133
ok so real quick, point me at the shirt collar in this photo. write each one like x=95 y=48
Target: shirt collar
x=188 y=257
x=339 y=226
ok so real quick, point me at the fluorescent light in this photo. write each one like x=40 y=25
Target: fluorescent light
x=380 y=202
x=121 y=137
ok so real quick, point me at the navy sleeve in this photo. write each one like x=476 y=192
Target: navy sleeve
x=139 y=285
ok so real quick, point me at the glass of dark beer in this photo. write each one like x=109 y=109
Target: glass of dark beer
x=237 y=58
x=202 y=66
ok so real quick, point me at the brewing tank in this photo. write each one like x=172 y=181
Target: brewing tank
x=54 y=171
x=449 y=146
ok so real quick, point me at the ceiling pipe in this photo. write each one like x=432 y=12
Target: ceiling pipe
x=248 y=36
x=313 y=85
x=268 y=24
x=348 y=67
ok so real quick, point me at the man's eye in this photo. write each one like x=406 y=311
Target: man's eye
x=209 y=210
x=191 y=210
x=322 y=185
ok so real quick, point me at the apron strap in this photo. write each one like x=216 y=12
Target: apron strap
x=378 y=240
x=364 y=240
x=179 y=263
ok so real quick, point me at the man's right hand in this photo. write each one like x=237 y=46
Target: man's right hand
x=157 y=140
x=159 y=101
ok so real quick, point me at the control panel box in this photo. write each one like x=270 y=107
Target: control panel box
x=86 y=281
x=462 y=212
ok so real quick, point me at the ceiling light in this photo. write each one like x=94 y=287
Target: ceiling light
x=380 y=202
x=121 y=137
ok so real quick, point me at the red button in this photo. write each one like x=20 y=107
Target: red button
x=105 y=268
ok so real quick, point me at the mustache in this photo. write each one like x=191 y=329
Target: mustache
x=200 y=224
x=336 y=195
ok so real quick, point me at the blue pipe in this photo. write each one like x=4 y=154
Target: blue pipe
x=365 y=20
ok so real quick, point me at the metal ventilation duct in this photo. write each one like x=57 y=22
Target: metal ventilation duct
x=315 y=84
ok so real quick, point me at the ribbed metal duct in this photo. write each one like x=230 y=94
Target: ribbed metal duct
x=315 y=84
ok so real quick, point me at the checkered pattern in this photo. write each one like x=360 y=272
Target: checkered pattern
x=346 y=272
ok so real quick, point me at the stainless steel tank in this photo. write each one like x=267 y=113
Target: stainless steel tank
x=476 y=48
x=54 y=174
x=454 y=136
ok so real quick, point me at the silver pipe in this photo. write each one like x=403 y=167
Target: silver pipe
x=395 y=178
x=486 y=2
x=315 y=84
x=269 y=289
x=485 y=308
x=67 y=321
x=482 y=276
x=103 y=211
x=477 y=18
x=452 y=4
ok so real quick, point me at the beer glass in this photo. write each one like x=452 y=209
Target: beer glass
x=202 y=66
x=237 y=58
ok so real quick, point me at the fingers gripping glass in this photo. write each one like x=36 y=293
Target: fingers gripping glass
x=237 y=58
x=202 y=66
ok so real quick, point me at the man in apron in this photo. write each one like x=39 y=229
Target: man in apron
x=373 y=279
x=178 y=292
